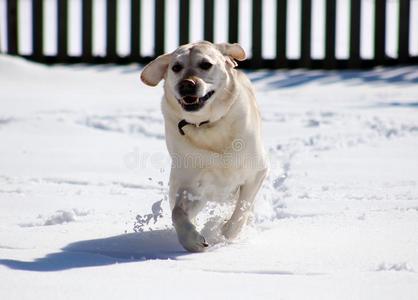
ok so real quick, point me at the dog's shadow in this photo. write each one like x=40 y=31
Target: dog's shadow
x=157 y=244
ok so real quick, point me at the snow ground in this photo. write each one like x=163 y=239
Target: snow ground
x=83 y=165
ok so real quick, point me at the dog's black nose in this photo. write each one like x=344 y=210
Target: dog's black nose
x=187 y=88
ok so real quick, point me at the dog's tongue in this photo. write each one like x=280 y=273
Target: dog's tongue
x=190 y=99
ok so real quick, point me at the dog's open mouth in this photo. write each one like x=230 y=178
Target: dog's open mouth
x=193 y=103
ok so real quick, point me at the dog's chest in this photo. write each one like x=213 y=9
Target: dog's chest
x=216 y=139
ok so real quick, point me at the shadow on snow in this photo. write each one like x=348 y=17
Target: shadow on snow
x=158 y=244
x=298 y=77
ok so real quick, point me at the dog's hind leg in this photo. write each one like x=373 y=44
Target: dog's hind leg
x=186 y=207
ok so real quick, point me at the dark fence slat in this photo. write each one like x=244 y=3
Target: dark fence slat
x=330 y=24
x=159 y=45
x=233 y=21
x=355 y=17
x=305 y=44
x=62 y=30
x=87 y=30
x=403 y=41
x=257 y=31
x=281 y=28
x=135 y=29
x=184 y=22
x=380 y=31
x=208 y=20
x=12 y=27
x=37 y=29
x=111 y=33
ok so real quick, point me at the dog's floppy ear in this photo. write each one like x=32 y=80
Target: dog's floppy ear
x=233 y=52
x=155 y=70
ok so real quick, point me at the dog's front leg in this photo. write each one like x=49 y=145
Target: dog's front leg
x=187 y=234
x=244 y=205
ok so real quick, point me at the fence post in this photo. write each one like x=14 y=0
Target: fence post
x=208 y=12
x=380 y=31
x=281 y=28
x=184 y=21
x=111 y=33
x=330 y=34
x=159 y=27
x=403 y=40
x=87 y=29
x=257 y=34
x=135 y=29
x=305 y=44
x=355 y=17
x=62 y=31
x=12 y=27
x=233 y=21
x=37 y=29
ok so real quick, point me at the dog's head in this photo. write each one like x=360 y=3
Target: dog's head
x=194 y=73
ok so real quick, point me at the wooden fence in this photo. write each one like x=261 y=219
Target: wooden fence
x=256 y=61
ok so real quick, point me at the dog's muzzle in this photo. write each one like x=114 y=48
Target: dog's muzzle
x=188 y=90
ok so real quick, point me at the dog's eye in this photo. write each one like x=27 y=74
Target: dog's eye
x=177 y=68
x=205 y=65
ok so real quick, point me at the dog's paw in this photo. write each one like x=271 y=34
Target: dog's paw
x=190 y=238
x=193 y=241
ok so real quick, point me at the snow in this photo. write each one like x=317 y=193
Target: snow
x=83 y=189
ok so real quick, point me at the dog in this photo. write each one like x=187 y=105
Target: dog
x=213 y=135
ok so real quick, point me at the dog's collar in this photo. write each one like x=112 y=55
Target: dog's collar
x=183 y=123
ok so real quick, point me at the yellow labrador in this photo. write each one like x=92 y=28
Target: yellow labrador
x=212 y=127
